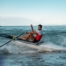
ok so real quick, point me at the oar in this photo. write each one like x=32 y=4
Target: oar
x=32 y=28
x=11 y=40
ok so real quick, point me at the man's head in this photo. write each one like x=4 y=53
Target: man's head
x=39 y=27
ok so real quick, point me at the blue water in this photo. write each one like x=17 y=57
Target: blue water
x=54 y=36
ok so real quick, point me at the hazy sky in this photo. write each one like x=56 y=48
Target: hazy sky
x=26 y=12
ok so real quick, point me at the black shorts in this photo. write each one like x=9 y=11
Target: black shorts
x=34 y=41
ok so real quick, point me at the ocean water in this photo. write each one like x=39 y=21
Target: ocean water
x=52 y=52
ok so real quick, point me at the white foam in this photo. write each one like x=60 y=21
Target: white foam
x=53 y=46
x=16 y=47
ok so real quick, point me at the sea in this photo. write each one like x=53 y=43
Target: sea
x=51 y=52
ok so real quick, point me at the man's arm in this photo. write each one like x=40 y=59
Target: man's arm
x=33 y=30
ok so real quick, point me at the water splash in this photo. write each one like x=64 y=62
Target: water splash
x=16 y=47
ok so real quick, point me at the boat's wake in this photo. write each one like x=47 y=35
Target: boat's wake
x=16 y=47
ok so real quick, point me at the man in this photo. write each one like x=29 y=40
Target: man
x=34 y=36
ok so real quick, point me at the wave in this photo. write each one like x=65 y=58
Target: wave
x=17 y=47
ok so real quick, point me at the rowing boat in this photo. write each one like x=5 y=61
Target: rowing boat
x=19 y=39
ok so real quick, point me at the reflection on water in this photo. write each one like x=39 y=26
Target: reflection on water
x=37 y=59
x=2 y=60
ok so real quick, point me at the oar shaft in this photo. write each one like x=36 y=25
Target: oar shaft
x=6 y=43
x=10 y=40
x=32 y=28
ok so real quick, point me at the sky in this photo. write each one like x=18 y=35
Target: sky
x=26 y=12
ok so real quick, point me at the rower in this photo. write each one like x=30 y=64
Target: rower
x=33 y=36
